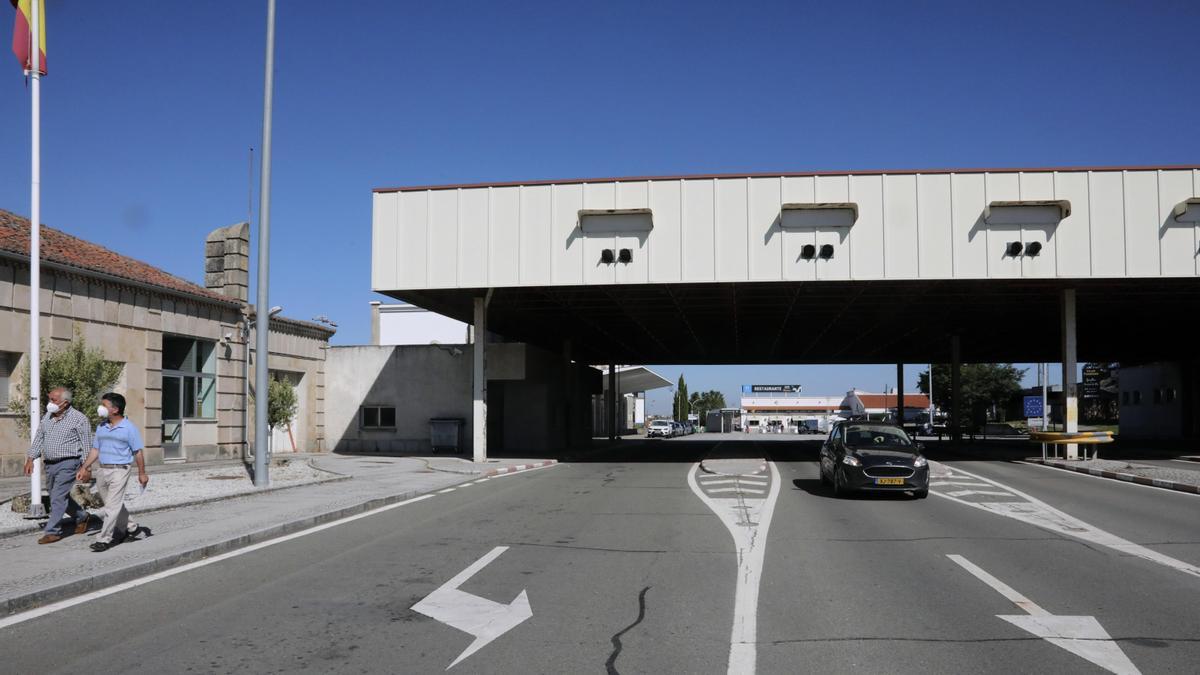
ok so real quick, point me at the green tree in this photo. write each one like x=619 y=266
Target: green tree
x=76 y=366
x=281 y=403
x=702 y=402
x=984 y=385
x=680 y=407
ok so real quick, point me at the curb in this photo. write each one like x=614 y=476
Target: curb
x=486 y=473
x=519 y=467
x=20 y=603
x=335 y=478
x=1126 y=477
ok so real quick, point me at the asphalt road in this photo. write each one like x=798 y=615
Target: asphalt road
x=626 y=569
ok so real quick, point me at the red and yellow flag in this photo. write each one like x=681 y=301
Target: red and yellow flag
x=23 y=34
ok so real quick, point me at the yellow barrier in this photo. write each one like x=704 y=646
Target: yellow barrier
x=1057 y=438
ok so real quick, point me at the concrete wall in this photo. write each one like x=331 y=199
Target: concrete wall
x=536 y=402
x=128 y=324
x=410 y=325
x=1154 y=398
x=909 y=225
x=420 y=381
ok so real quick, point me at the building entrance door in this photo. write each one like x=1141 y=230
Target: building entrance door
x=172 y=417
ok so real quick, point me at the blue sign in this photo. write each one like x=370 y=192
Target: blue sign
x=1033 y=406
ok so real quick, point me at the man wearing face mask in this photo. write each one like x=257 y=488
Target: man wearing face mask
x=117 y=446
x=62 y=438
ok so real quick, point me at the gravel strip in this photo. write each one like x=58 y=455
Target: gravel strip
x=1185 y=476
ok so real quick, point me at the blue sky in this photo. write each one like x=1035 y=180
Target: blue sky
x=150 y=107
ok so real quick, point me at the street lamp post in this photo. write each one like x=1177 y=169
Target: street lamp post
x=263 y=321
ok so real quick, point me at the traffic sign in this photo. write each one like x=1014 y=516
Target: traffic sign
x=1033 y=406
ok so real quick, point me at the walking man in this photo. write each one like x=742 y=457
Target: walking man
x=117 y=446
x=62 y=439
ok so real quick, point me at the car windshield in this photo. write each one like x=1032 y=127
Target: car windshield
x=660 y=424
x=866 y=436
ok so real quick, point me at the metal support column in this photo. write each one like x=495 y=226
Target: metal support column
x=479 y=384
x=955 y=389
x=900 y=393
x=610 y=403
x=1070 y=411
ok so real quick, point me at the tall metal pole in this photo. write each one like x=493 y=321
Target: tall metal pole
x=35 y=257
x=263 y=314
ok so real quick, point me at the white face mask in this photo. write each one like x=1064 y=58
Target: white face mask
x=52 y=407
x=102 y=411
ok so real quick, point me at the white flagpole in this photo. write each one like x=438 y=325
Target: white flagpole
x=36 y=509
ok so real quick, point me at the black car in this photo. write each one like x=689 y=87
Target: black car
x=876 y=456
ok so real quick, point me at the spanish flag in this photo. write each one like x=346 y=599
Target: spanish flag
x=23 y=34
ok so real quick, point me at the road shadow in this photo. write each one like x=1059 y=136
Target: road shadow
x=815 y=487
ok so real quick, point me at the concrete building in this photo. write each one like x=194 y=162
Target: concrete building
x=632 y=383
x=181 y=345
x=405 y=324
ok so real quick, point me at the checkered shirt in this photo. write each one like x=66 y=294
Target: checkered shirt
x=69 y=435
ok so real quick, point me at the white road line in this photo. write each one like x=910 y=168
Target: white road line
x=964 y=493
x=749 y=523
x=956 y=482
x=999 y=586
x=482 y=480
x=1036 y=512
x=442 y=492
x=94 y=595
x=719 y=481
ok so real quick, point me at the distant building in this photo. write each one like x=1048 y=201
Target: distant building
x=785 y=411
x=405 y=324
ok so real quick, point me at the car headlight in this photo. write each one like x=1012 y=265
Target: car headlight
x=919 y=462
x=851 y=460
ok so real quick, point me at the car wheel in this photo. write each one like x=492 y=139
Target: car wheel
x=921 y=494
x=838 y=489
x=824 y=478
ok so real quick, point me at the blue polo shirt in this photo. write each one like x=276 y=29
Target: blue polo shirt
x=117 y=443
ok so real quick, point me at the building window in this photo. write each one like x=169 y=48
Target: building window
x=189 y=369
x=1158 y=395
x=1137 y=397
x=1170 y=395
x=1124 y=398
x=377 y=417
x=8 y=377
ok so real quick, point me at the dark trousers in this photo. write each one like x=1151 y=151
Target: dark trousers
x=61 y=478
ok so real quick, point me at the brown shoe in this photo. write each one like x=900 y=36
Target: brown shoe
x=49 y=539
x=82 y=526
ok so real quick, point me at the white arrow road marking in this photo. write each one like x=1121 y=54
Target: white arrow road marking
x=1036 y=512
x=484 y=619
x=748 y=522
x=1083 y=636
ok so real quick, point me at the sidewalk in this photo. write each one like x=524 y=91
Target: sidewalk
x=32 y=575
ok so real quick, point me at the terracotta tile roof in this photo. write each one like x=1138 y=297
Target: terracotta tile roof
x=889 y=400
x=63 y=249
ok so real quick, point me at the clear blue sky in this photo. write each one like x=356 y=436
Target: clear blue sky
x=150 y=107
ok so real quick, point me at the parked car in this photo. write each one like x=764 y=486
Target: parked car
x=876 y=456
x=660 y=429
x=676 y=429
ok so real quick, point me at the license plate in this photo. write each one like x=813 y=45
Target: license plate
x=889 y=481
